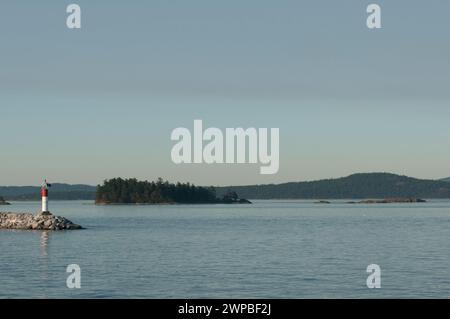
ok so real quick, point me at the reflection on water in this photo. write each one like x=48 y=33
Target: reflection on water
x=44 y=274
x=44 y=243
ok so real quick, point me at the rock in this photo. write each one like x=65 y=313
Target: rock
x=48 y=223
x=73 y=226
x=392 y=201
x=45 y=214
x=3 y=202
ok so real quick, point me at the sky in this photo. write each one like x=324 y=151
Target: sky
x=81 y=106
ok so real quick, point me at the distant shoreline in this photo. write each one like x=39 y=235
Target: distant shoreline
x=354 y=187
x=165 y=204
x=353 y=201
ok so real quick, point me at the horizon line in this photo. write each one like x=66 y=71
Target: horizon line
x=256 y=184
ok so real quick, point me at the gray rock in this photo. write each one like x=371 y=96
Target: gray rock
x=27 y=221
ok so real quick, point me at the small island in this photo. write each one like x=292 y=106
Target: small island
x=131 y=191
x=392 y=201
x=381 y=201
x=3 y=202
x=41 y=221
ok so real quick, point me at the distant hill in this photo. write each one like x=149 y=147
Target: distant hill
x=57 y=192
x=357 y=186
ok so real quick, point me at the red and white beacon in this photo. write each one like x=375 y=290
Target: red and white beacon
x=44 y=192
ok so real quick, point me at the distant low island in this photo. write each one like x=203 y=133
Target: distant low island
x=132 y=191
x=381 y=201
x=390 y=201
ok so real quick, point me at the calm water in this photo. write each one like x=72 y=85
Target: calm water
x=272 y=249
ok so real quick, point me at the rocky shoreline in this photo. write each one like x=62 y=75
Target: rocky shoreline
x=390 y=201
x=3 y=202
x=42 y=221
x=380 y=201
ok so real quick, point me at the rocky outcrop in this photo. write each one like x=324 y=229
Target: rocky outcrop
x=392 y=201
x=43 y=221
x=3 y=202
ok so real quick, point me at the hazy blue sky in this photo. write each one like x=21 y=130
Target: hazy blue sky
x=81 y=106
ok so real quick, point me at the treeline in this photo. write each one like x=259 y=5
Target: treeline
x=132 y=191
x=356 y=186
x=70 y=195
x=58 y=191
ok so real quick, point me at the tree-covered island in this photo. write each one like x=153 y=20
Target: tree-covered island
x=132 y=191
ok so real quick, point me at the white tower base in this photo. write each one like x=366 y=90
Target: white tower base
x=44 y=204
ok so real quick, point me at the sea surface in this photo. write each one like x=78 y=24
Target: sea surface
x=271 y=249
